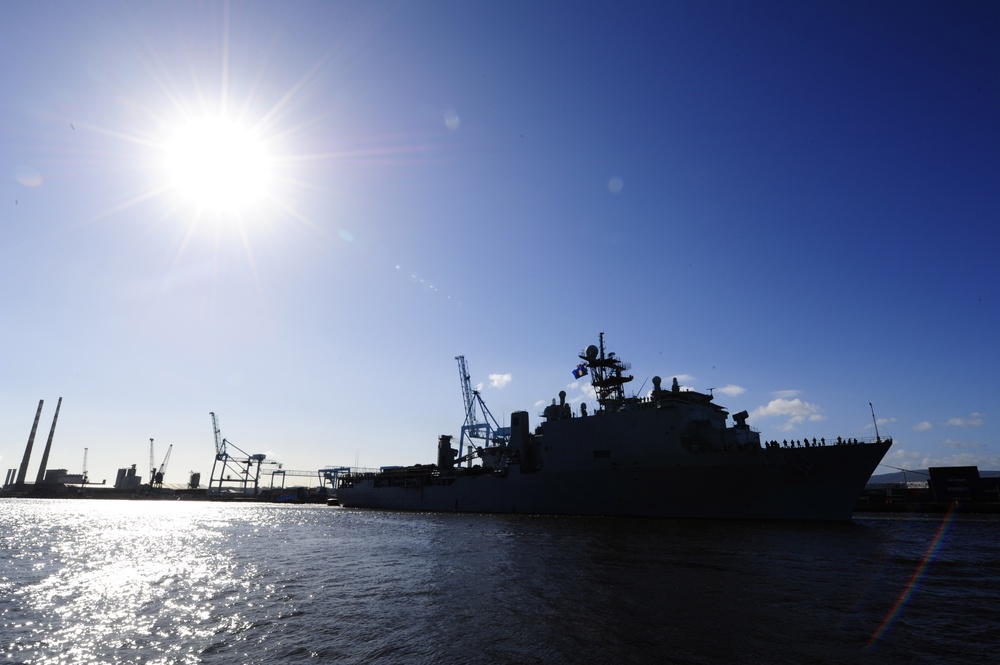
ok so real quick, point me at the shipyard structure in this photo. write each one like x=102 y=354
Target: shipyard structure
x=236 y=476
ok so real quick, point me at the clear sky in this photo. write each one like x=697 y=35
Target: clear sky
x=298 y=214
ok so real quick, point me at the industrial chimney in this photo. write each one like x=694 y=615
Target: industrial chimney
x=27 y=448
x=48 y=446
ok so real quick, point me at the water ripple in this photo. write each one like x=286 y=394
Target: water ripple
x=126 y=582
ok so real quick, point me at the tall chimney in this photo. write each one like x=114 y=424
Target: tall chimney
x=48 y=446
x=27 y=448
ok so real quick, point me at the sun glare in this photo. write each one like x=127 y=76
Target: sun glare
x=218 y=165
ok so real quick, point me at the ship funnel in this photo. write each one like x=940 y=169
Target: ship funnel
x=520 y=440
x=446 y=454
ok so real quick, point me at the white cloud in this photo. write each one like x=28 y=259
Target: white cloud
x=961 y=445
x=922 y=426
x=984 y=462
x=500 y=380
x=795 y=411
x=913 y=459
x=732 y=390
x=786 y=394
x=974 y=420
x=681 y=379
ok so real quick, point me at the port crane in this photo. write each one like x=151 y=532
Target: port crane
x=156 y=473
x=158 y=476
x=479 y=422
x=239 y=473
x=84 y=477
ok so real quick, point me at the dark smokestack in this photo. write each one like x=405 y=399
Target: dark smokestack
x=48 y=446
x=27 y=448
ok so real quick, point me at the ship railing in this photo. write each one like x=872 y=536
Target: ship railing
x=361 y=472
x=809 y=442
x=857 y=440
x=908 y=485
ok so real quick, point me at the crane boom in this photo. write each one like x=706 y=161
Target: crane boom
x=467 y=395
x=157 y=478
x=220 y=443
x=166 y=458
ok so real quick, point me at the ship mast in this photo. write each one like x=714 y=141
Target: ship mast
x=607 y=374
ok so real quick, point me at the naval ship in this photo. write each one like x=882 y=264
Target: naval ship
x=670 y=453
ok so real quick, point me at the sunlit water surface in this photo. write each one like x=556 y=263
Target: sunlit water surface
x=193 y=582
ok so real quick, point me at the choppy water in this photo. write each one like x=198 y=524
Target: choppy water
x=191 y=582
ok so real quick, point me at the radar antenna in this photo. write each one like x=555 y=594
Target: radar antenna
x=607 y=374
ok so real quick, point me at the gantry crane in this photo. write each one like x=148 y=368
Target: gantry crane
x=479 y=422
x=240 y=473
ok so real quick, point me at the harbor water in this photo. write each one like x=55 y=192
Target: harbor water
x=196 y=582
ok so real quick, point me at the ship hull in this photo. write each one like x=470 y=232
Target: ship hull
x=816 y=483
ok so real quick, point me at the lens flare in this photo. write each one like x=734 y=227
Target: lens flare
x=914 y=582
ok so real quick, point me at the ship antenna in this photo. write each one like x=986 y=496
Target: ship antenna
x=646 y=379
x=878 y=439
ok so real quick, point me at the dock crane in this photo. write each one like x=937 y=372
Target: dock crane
x=240 y=473
x=479 y=422
x=152 y=463
x=158 y=476
x=84 y=477
x=156 y=473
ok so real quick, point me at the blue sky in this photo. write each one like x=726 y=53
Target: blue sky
x=793 y=204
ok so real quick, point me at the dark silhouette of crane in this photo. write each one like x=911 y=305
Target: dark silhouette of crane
x=156 y=474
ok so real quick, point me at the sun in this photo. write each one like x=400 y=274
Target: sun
x=219 y=165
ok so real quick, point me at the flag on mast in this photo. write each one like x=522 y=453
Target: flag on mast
x=580 y=371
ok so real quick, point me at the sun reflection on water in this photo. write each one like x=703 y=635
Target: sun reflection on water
x=114 y=581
